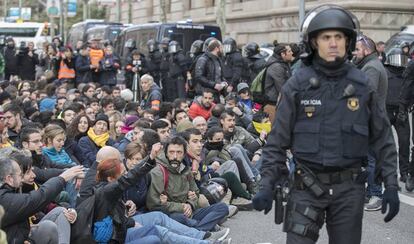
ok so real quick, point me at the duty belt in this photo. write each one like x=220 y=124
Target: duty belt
x=328 y=178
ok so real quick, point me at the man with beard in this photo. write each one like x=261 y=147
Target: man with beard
x=366 y=59
x=209 y=71
x=10 y=58
x=173 y=190
x=13 y=118
x=202 y=105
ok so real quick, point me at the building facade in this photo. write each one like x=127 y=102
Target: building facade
x=267 y=20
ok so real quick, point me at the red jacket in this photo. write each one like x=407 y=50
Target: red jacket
x=197 y=109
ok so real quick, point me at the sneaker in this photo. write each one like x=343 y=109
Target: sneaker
x=252 y=187
x=242 y=204
x=226 y=241
x=374 y=204
x=233 y=210
x=409 y=183
x=227 y=197
x=244 y=186
x=219 y=235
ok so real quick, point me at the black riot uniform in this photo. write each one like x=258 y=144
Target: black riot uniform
x=253 y=61
x=397 y=113
x=153 y=60
x=233 y=62
x=164 y=64
x=177 y=72
x=406 y=99
x=329 y=118
x=195 y=53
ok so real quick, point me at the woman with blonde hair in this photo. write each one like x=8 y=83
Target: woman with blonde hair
x=54 y=139
x=115 y=117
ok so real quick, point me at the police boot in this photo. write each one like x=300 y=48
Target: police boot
x=409 y=183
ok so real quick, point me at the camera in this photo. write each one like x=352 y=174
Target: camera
x=23 y=49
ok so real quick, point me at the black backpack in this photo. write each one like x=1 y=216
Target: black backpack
x=81 y=232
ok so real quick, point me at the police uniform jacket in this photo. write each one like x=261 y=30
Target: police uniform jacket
x=329 y=125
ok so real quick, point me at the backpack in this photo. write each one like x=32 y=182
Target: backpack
x=165 y=175
x=257 y=86
x=81 y=230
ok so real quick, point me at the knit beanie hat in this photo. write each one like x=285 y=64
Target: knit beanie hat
x=102 y=116
x=184 y=125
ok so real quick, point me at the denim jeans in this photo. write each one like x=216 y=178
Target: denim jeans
x=204 y=218
x=161 y=219
x=136 y=235
x=372 y=188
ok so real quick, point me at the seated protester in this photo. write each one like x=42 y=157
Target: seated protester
x=4 y=136
x=236 y=135
x=178 y=196
x=14 y=120
x=44 y=169
x=116 y=92
x=163 y=129
x=134 y=135
x=151 y=93
x=19 y=207
x=202 y=105
x=88 y=93
x=166 y=112
x=61 y=216
x=200 y=123
x=260 y=124
x=216 y=112
x=108 y=67
x=109 y=206
x=74 y=132
x=245 y=101
x=55 y=137
x=181 y=103
x=149 y=114
x=216 y=155
x=203 y=173
x=180 y=115
x=114 y=116
x=68 y=114
x=243 y=115
x=97 y=137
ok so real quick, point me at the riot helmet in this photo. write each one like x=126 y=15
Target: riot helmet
x=163 y=46
x=196 y=47
x=174 y=47
x=229 y=45
x=329 y=17
x=214 y=190
x=206 y=42
x=396 y=58
x=152 y=45
x=251 y=49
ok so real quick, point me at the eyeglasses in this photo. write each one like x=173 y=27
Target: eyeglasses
x=367 y=42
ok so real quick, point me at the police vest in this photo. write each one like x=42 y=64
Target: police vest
x=332 y=125
x=65 y=72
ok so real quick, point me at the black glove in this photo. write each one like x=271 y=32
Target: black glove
x=391 y=198
x=263 y=200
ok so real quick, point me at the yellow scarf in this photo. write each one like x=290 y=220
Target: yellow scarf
x=7 y=144
x=100 y=140
x=262 y=126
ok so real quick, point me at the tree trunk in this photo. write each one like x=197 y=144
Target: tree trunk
x=163 y=13
x=221 y=16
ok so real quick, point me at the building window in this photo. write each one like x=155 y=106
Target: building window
x=210 y=3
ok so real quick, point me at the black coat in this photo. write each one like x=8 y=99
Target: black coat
x=11 y=59
x=208 y=72
x=89 y=150
x=27 y=66
x=19 y=207
x=83 y=69
x=109 y=66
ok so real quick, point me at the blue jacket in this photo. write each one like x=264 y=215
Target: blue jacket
x=89 y=149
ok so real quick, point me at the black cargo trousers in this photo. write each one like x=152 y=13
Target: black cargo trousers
x=340 y=207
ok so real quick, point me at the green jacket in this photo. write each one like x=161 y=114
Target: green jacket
x=243 y=137
x=2 y=64
x=179 y=184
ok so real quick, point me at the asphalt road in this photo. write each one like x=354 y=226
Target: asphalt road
x=255 y=227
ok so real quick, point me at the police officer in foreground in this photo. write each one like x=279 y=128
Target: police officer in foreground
x=329 y=116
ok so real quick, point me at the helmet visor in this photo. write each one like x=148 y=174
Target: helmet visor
x=151 y=48
x=227 y=48
x=397 y=60
x=194 y=49
x=172 y=48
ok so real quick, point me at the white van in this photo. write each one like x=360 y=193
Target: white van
x=34 y=32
